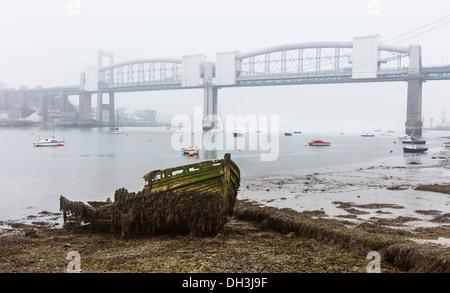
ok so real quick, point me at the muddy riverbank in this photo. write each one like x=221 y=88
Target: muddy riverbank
x=257 y=239
x=320 y=222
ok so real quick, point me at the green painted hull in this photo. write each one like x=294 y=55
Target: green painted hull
x=196 y=198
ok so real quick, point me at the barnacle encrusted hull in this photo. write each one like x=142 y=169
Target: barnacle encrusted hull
x=196 y=199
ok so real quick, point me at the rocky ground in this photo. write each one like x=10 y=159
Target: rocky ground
x=256 y=240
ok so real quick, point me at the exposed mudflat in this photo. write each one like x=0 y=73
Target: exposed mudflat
x=256 y=240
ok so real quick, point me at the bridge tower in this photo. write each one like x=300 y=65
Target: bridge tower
x=89 y=86
x=100 y=105
x=413 y=122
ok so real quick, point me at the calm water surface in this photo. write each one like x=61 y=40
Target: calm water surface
x=93 y=164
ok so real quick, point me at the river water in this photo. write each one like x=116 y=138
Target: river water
x=93 y=164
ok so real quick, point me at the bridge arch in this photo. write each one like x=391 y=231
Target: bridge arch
x=143 y=74
x=311 y=60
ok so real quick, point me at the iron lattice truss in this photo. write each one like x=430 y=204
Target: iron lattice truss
x=311 y=63
x=152 y=74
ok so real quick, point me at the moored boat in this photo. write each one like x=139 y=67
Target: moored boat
x=413 y=140
x=288 y=133
x=446 y=144
x=115 y=130
x=319 y=143
x=414 y=149
x=49 y=141
x=52 y=141
x=367 y=135
x=191 y=150
x=196 y=198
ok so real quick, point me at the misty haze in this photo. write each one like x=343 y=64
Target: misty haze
x=149 y=136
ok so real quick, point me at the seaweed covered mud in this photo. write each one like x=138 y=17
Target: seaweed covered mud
x=194 y=199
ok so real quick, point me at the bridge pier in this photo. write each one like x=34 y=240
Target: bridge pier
x=63 y=102
x=110 y=107
x=85 y=109
x=413 y=122
x=112 y=115
x=100 y=106
x=43 y=109
x=210 y=107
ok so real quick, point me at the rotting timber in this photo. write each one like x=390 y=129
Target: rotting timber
x=196 y=198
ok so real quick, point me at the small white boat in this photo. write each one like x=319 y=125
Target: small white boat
x=49 y=141
x=191 y=151
x=118 y=128
x=367 y=135
x=115 y=130
x=52 y=141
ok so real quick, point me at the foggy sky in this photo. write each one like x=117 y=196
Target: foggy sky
x=41 y=41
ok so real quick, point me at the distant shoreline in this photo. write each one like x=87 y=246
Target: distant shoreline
x=83 y=125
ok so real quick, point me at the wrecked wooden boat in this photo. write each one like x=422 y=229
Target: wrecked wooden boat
x=196 y=199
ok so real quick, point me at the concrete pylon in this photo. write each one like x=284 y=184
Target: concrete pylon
x=413 y=122
x=109 y=107
x=43 y=106
x=99 y=106
x=63 y=102
x=210 y=103
x=210 y=106
x=85 y=106
x=112 y=115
